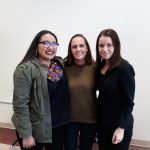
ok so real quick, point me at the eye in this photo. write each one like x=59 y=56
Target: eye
x=54 y=44
x=46 y=43
x=74 y=46
x=109 y=45
x=81 y=45
x=101 y=45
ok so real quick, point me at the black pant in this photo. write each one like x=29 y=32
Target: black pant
x=86 y=133
x=105 y=139
x=57 y=138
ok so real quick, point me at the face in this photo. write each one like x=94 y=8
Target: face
x=106 y=48
x=79 y=49
x=47 y=48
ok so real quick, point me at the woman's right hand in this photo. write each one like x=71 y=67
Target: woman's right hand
x=28 y=142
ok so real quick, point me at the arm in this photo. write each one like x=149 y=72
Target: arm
x=21 y=99
x=127 y=90
x=127 y=87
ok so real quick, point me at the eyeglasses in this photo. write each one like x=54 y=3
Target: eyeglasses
x=47 y=44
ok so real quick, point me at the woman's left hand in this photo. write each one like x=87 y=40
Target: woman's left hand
x=118 y=135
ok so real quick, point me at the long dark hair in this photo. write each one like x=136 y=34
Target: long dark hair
x=32 y=51
x=69 y=60
x=116 y=58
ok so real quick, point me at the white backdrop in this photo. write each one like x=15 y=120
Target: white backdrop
x=20 y=20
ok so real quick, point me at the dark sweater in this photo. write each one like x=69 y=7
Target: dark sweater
x=59 y=96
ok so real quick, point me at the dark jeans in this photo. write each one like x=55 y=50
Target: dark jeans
x=105 y=139
x=57 y=138
x=84 y=131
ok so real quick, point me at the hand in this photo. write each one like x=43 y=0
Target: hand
x=28 y=142
x=118 y=135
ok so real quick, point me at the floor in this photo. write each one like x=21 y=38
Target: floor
x=7 y=137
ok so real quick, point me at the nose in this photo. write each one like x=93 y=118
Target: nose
x=77 y=48
x=105 y=48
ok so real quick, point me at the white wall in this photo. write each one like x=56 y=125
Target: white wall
x=20 y=20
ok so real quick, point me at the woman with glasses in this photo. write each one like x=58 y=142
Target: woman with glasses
x=116 y=85
x=80 y=70
x=41 y=96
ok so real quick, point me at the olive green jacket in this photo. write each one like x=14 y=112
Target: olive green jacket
x=31 y=103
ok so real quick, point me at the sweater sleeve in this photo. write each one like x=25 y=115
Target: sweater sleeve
x=21 y=99
x=127 y=90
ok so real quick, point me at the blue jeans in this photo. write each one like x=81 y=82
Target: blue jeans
x=85 y=132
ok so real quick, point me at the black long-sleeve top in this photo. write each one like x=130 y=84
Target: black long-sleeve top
x=116 y=94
